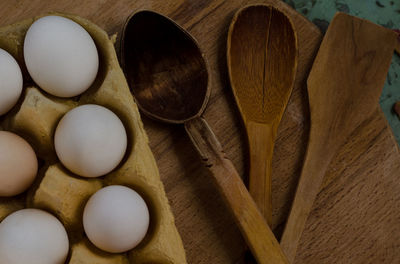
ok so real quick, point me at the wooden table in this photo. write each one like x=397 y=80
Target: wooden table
x=356 y=217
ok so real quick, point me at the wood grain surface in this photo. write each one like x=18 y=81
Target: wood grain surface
x=355 y=218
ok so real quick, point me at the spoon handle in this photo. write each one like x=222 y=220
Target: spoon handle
x=261 y=139
x=255 y=230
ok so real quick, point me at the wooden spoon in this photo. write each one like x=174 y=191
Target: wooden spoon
x=262 y=62
x=168 y=77
x=344 y=88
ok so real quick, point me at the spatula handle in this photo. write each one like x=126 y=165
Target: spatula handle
x=254 y=228
x=261 y=139
x=311 y=178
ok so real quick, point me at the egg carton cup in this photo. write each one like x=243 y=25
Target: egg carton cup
x=64 y=194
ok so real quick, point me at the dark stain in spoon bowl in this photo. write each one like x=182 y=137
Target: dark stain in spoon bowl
x=167 y=72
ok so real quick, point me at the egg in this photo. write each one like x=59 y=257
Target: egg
x=61 y=56
x=10 y=81
x=90 y=140
x=33 y=236
x=116 y=219
x=18 y=164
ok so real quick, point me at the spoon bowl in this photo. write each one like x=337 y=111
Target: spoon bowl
x=168 y=77
x=165 y=68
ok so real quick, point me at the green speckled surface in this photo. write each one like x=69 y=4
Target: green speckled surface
x=382 y=12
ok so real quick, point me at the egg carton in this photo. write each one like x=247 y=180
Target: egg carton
x=64 y=194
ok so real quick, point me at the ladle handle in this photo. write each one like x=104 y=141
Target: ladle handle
x=254 y=228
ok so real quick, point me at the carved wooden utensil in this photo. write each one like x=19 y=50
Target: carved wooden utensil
x=344 y=88
x=262 y=62
x=168 y=77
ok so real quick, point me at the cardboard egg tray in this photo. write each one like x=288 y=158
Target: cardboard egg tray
x=64 y=194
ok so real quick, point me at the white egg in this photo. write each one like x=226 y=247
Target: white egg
x=61 y=56
x=90 y=140
x=116 y=219
x=18 y=164
x=33 y=236
x=10 y=81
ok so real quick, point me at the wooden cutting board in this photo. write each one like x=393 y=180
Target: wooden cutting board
x=356 y=217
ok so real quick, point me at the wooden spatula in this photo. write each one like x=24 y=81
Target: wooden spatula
x=344 y=88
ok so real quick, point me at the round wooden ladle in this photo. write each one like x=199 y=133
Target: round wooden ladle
x=168 y=77
x=262 y=61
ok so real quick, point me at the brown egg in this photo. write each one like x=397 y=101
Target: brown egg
x=18 y=164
